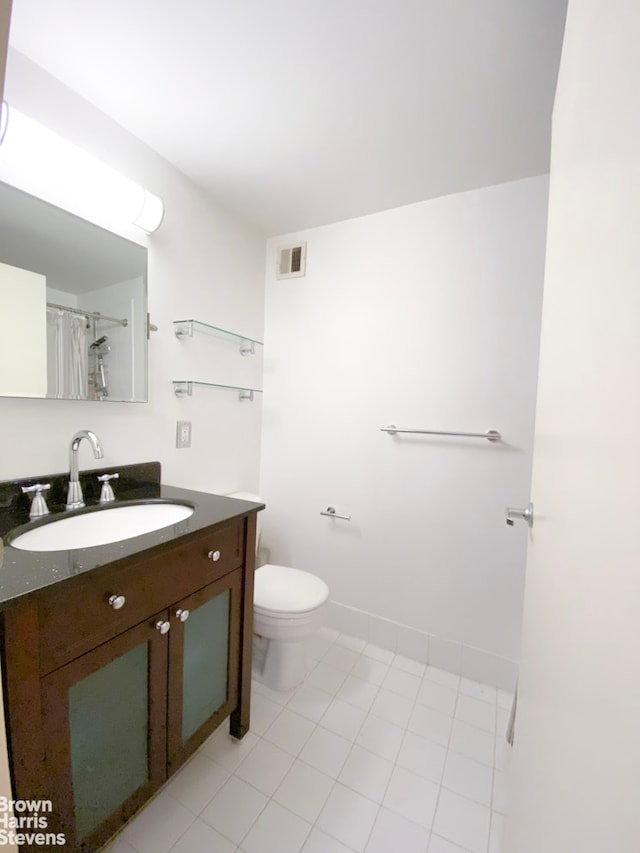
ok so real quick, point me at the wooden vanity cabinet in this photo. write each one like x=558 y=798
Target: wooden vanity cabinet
x=98 y=721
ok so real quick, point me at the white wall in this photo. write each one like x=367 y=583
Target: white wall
x=202 y=264
x=425 y=316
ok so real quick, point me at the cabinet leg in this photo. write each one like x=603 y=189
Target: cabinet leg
x=239 y=723
x=240 y=716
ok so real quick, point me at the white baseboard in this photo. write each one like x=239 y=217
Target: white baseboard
x=423 y=647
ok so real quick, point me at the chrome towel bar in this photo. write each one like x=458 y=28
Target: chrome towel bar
x=491 y=435
x=331 y=512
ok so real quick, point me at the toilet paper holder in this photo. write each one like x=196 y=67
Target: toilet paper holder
x=331 y=512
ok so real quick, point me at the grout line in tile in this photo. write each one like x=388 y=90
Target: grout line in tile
x=195 y=818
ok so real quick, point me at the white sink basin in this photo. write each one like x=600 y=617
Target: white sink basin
x=111 y=524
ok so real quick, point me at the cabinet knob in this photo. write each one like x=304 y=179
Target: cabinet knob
x=214 y=555
x=117 y=601
x=182 y=615
x=163 y=626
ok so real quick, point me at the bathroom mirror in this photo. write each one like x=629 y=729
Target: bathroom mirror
x=73 y=303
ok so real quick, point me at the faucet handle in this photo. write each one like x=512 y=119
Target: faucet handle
x=106 y=493
x=38 y=504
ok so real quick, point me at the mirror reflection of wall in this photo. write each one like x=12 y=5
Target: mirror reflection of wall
x=23 y=352
x=84 y=336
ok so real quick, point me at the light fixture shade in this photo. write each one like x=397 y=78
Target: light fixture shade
x=41 y=162
x=151 y=214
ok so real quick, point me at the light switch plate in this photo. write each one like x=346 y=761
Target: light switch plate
x=183 y=434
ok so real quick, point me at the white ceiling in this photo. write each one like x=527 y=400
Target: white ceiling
x=297 y=113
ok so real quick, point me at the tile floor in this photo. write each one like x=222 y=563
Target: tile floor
x=373 y=753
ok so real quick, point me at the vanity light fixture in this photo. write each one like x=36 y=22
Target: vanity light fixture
x=39 y=161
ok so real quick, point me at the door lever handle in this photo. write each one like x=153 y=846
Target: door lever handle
x=512 y=513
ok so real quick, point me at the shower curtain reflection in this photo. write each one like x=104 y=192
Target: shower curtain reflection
x=67 y=355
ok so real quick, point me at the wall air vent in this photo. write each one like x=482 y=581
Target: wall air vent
x=292 y=261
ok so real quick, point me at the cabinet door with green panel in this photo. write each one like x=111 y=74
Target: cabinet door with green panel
x=104 y=719
x=121 y=718
x=204 y=648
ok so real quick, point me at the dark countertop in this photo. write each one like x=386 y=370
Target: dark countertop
x=24 y=572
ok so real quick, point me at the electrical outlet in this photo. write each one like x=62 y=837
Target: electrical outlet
x=183 y=434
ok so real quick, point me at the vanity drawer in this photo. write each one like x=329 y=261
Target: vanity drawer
x=80 y=614
x=204 y=559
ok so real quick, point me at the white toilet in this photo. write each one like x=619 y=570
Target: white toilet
x=288 y=607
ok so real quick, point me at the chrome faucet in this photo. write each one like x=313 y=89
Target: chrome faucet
x=74 y=493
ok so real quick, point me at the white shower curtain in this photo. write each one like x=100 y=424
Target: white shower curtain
x=67 y=355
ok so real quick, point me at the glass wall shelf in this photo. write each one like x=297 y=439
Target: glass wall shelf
x=185 y=388
x=186 y=328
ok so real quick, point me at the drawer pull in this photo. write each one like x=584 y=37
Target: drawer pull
x=117 y=601
x=182 y=615
x=163 y=626
x=214 y=555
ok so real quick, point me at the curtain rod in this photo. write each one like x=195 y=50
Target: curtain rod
x=82 y=313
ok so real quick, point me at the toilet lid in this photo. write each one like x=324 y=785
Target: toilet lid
x=280 y=589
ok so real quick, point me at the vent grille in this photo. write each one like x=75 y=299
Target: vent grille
x=292 y=261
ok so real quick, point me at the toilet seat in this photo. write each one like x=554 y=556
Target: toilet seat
x=281 y=590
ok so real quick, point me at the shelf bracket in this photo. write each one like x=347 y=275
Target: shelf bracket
x=248 y=348
x=245 y=395
x=183 y=330
x=183 y=389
